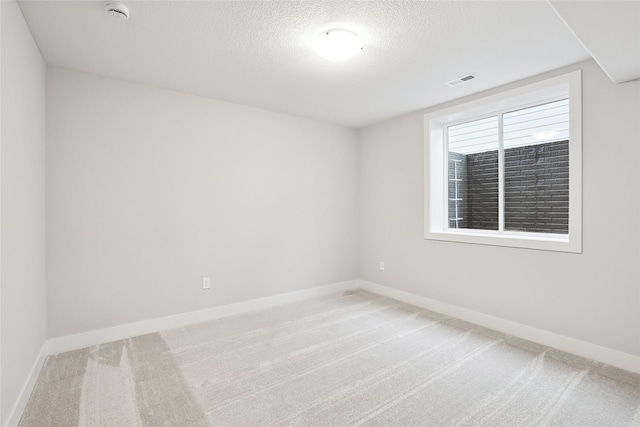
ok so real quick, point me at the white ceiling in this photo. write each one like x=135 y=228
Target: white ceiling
x=259 y=53
x=609 y=31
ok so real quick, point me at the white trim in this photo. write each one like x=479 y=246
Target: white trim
x=101 y=336
x=596 y=352
x=25 y=393
x=571 y=345
x=606 y=355
x=436 y=224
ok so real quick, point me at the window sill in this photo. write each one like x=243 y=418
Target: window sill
x=538 y=241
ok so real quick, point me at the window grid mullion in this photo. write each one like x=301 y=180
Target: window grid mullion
x=446 y=178
x=500 y=174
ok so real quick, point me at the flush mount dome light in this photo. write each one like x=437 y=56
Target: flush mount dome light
x=337 y=45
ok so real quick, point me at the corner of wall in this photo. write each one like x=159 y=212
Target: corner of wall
x=15 y=413
x=22 y=212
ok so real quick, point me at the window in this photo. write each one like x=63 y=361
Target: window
x=506 y=170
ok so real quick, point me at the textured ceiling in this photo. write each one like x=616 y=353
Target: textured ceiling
x=259 y=53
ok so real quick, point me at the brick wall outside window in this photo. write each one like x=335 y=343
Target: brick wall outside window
x=536 y=189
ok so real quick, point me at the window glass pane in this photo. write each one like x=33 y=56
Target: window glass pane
x=473 y=174
x=536 y=163
x=537 y=125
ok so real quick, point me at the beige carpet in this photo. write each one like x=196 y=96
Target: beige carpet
x=349 y=359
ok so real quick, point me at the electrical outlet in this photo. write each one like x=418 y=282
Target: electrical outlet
x=381 y=265
x=206 y=283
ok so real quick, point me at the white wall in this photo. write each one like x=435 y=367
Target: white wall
x=22 y=204
x=150 y=190
x=593 y=296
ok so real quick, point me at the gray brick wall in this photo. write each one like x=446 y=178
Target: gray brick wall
x=482 y=189
x=536 y=189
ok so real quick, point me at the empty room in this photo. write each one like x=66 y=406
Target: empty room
x=319 y=213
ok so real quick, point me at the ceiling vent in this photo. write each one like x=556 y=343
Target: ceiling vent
x=461 y=80
x=118 y=10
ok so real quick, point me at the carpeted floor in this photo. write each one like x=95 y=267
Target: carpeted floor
x=349 y=359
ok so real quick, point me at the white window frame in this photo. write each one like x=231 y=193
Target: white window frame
x=436 y=158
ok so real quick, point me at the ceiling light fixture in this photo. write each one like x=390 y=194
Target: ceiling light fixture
x=337 y=45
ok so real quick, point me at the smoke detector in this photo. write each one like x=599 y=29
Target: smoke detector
x=118 y=10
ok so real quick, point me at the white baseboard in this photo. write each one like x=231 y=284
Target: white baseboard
x=596 y=352
x=101 y=336
x=25 y=393
x=606 y=355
